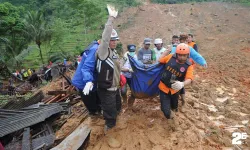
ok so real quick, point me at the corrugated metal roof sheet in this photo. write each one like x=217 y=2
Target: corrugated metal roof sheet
x=13 y=104
x=12 y=121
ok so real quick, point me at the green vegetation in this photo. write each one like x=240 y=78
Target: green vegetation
x=246 y=2
x=12 y=39
x=34 y=32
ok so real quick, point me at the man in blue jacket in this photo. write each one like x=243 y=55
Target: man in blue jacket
x=85 y=79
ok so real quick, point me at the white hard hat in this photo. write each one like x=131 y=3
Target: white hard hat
x=114 y=35
x=158 y=41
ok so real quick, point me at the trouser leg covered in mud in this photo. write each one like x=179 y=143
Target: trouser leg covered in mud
x=109 y=106
x=168 y=102
x=91 y=101
x=182 y=94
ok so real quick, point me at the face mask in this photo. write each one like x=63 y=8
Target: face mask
x=132 y=54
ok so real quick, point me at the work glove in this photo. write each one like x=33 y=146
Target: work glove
x=88 y=87
x=112 y=11
x=177 y=85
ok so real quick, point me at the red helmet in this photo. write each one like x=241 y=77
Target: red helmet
x=182 y=49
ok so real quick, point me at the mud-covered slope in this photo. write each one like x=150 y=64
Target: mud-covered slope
x=219 y=98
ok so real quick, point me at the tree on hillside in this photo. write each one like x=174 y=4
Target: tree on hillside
x=37 y=29
x=88 y=13
x=12 y=38
x=4 y=70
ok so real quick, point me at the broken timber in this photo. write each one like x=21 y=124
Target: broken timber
x=76 y=139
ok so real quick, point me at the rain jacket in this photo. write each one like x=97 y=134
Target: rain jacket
x=85 y=71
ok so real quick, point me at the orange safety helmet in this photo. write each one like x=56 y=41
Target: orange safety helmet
x=182 y=49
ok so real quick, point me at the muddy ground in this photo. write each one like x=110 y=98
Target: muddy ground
x=219 y=98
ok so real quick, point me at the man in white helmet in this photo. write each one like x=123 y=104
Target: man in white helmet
x=159 y=49
x=108 y=70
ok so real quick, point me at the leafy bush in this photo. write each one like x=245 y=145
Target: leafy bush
x=119 y=48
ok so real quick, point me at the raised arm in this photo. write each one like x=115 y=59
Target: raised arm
x=103 y=48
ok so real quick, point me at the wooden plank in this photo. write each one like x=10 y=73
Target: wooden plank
x=66 y=86
x=76 y=139
x=57 y=92
x=53 y=99
x=77 y=98
x=64 y=97
x=48 y=99
x=72 y=88
x=26 y=139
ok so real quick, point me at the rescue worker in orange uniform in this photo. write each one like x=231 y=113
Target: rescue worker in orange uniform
x=177 y=74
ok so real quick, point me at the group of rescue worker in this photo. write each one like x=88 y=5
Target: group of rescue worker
x=24 y=74
x=99 y=76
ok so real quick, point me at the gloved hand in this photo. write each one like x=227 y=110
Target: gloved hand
x=177 y=85
x=112 y=11
x=88 y=87
x=131 y=70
